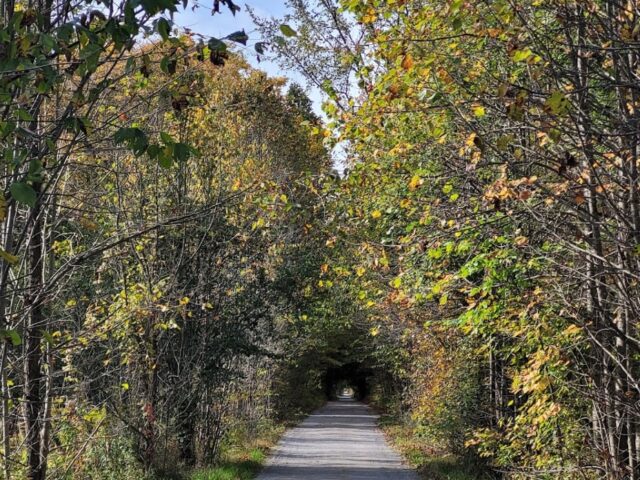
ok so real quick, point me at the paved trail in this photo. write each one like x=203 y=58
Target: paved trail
x=341 y=441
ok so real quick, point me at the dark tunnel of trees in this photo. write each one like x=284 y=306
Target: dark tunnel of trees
x=351 y=375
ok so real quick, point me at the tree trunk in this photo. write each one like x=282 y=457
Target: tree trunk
x=36 y=464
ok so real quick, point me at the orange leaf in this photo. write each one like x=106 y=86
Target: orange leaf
x=407 y=62
x=524 y=195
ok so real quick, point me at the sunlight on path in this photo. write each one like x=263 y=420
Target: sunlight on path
x=341 y=441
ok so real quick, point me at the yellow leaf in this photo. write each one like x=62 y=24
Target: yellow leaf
x=415 y=182
x=369 y=17
x=471 y=140
x=360 y=271
x=258 y=224
x=521 y=241
x=478 y=111
x=376 y=214
x=572 y=330
x=7 y=257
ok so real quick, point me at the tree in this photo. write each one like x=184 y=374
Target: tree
x=491 y=193
x=89 y=114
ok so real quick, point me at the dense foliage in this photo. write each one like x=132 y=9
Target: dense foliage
x=487 y=224
x=181 y=267
x=155 y=192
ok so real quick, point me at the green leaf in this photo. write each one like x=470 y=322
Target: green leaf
x=260 y=48
x=48 y=42
x=153 y=151
x=134 y=138
x=521 y=55
x=48 y=338
x=12 y=335
x=287 y=31
x=557 y=103
x=153 y=7
x=181 y=152
x=166 y=138
x=23 y=193
x=164 y=158
x=238 y=37
x=168 y=64
x=216 y=45
x=24 y=115
x=164 y=28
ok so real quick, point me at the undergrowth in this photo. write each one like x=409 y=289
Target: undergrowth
x=431 y=462
x=242 y=458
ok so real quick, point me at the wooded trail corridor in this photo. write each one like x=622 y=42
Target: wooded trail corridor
x=218 y=216
x=341 y=441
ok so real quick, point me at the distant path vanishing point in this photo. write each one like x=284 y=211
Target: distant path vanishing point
x=341 y=441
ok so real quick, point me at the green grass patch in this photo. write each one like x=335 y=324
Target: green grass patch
x=243 y=456
x=237 y=469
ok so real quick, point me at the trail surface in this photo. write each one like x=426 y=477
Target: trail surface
x=341 y=441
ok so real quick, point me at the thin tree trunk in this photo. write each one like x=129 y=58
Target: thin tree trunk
x=36 y=464
x=6 y=444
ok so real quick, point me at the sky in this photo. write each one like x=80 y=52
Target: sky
x=220 y=25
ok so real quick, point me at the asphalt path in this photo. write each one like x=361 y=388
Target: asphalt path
x=341 y=441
